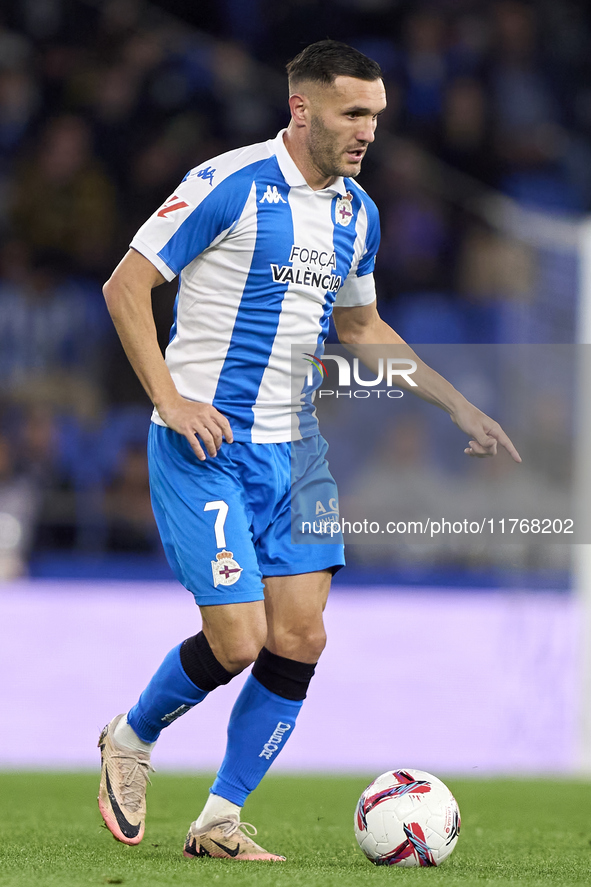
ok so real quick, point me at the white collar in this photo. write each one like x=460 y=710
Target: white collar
x=290 y=171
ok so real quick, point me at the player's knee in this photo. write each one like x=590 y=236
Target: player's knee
x=315 y=644
x=238 y=654
x=235 y=638
x=303 y=643
x=242 y=656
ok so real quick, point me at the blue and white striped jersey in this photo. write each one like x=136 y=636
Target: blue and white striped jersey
x=261 y=258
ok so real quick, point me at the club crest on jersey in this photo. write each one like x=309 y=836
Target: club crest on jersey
x=344 y=209
x=226 y=571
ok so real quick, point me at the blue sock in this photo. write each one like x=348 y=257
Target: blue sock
x=169 y=695
x=260 y=724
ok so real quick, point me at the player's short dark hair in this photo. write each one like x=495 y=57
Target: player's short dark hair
x=326 y=60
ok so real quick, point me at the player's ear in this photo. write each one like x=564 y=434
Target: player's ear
x=299 y=105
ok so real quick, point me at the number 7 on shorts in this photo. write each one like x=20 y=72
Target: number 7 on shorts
x=222 y=509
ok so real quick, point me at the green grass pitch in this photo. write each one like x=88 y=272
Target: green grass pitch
x=514 y=832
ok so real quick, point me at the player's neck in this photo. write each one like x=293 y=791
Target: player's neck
x=298 y=152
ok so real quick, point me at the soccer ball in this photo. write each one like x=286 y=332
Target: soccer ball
x=407 y=818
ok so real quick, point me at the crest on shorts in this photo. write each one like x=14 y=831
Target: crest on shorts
x=343 y=212
x=226 y=571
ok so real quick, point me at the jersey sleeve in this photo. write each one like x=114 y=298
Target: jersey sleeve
x=356 y=291
x=198 y=214
x=359 y=288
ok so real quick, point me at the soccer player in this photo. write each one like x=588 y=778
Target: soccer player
x=267 y=241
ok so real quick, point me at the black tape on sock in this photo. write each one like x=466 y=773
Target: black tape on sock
x=201 y=666
x=285 y=677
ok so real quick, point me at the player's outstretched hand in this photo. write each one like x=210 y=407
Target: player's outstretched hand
x=198 y=420
x=484 y=432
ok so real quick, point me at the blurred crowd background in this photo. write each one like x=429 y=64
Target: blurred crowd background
x=104 y=106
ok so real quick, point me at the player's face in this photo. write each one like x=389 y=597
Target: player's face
x=343 y=122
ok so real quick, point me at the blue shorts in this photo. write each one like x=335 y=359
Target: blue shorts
x=225 y=523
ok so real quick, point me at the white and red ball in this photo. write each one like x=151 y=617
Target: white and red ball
x=407 y=818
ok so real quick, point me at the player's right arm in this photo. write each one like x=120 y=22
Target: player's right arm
x=128 y=294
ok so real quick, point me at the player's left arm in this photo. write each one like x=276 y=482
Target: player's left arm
x=361 y=327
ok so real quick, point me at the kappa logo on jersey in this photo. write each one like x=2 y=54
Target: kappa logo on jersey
x=344 y=209
x=226 y=571
x=206 y=174
x=272 y=195
x=172 y=204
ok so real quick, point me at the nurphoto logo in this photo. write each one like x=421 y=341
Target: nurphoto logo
x=387 y=371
